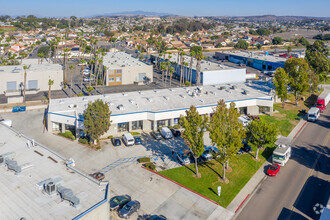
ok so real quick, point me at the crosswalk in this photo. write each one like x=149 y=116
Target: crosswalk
x=165 y=161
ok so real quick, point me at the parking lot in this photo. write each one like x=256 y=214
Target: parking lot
x=119 y=164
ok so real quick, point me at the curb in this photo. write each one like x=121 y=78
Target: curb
x=300 y=129
x=180 y=185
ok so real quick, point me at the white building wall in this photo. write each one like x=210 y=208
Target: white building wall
x=224 y=76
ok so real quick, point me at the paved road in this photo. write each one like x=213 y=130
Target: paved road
x=302 y=183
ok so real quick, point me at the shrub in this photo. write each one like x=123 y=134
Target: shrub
x=99 y=147
x=135 y=133
x=110 y=137
x=150 y=166
x=144 y=160
x=177 y=126
x=68 y=134
x=83 y=140
x=187 y=83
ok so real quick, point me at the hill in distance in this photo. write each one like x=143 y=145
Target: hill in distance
x=133 y=13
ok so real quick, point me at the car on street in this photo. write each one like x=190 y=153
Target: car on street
x=118 y=202
x=156 y=135
x=183 y=157
x=98 y=176
x=137 y=140
x=116 y=141
x=273 y=169
x=176 y=132
x=128 y=209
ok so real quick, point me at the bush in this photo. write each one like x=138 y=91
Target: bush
x=110 y=137
x=83 y=140
x=187 y=84
x=98 y=147
x=150 y=166
x=135 y=133
x=144 y=160
x=68 y=134
x=177 y=126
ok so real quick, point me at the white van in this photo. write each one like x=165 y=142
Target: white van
x=166 y=133
x=244 y=120
x=313 y=114
x=128 y=139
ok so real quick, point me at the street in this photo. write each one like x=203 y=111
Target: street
x=302 y=186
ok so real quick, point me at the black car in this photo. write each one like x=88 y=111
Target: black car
x=152 y=217
x=156 y=135
x=115 y=141
x=129 y=209
x=176 y=132
x=245 y=149
x=118 y=202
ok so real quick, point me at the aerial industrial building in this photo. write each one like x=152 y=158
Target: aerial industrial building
x=148 y=110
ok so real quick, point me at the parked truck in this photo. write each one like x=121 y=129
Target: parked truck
x=323 y=100
x=281 y=154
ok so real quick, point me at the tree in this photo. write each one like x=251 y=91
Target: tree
x=171 y=71
x=289 y=49
x=261 y=133
x=71 y=67
x=194 y=126
x=298 y=72
x=96 y=119
x=281 y=82
x=263 y=31
x=317 y=58
x=25 y=67
x=303 y=41
x=198 y=53
x=89 y=90
x=50 y=83
x=277 y=40
x=259 y=46
x=242 y=44
x=226 y=132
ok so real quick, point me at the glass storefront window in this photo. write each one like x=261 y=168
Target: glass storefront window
x=137 y=125
x=122 y=127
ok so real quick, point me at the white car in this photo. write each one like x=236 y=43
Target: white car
x=245 y=120
x=128 y=139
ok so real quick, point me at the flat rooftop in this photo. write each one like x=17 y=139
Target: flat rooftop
x=163 y=99
x=118 y=60
x=205 y=65
x=20 y=195
x=45 y=67
x=260 y=55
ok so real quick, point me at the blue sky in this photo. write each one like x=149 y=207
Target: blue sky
x=82 y=8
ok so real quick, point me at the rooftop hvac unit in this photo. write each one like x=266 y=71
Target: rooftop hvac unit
x=2 y=160
x=68 y=195
x=149 y=99
x=50 y=188
x=222 y=87
x=233 y=87
x=120 y=107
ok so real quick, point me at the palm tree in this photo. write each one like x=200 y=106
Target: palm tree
x=171 y=70
x=199 y=56
x=104 y=77
x=25 y=67
x=71 y=68
x=91 y=62
x=23 y=55
x=82 y=68
x=163 y=68
x=192 y=55
x=65 y=54
x=50 y=83
x=182 y=57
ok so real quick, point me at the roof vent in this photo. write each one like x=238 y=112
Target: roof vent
x=149 y=99
x=61 y=101
x=131 y=101
x=222 y=87
x=233 y=87
x=140 y=92
x=84 y=99
x=50 y=188
x=182 y=96
x=245 y=92
x=167 y=98
x=124 y=94
x=120 y=107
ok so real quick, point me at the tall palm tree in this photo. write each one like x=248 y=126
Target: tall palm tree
x=192 y=55
x=104 y=77
x=82 y=68
x=71 y=68
x=50 y=83
x=163 y=68
x=65 y=54
x=25 y=67
x=91 y=62
x=199 y=56
x=182 y=57
x=171 y=70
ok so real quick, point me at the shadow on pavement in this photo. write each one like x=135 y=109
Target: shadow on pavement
x=315 y=194
x=287 y=214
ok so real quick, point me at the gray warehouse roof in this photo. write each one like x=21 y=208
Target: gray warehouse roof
x=163 y=99
x=115 y=60
x=255 y=55
x=22 y=196
x=205 y=65
x=45 y=67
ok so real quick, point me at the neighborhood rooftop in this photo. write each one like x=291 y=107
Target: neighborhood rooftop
x=164 y=99
x=22 y=193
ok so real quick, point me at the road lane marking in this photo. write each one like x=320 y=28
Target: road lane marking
x=326 y=139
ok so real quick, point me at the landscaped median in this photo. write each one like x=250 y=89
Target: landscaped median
x=243 y=168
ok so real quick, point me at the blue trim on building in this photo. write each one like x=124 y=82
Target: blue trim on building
x=94 y=206
x=69 y=116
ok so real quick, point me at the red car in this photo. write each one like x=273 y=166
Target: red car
x=273 y=169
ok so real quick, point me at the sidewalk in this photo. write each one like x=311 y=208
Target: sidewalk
x=248 y=190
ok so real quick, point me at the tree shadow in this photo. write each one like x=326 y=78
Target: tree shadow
x=215 y=193
x=310 y=101
x=206 y=164
x=289 y=214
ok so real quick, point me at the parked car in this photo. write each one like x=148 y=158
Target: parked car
x=245 y=120
x=166 y=133
x=176 y=132
x=273 y=169
x=115 y=141
x=128 y=209
x=128 y=139
x=245 y=149
x=206 y=156
x=156 y=135
x=98 y=176
x=137 y=140
x=152 y=217
x=183 y=157
x=118 y=202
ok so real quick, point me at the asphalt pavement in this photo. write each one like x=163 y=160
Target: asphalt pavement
x=302 y=186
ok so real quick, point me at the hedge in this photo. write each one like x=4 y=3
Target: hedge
x=68 y=134
x=83 y=140
x=150 y=166
x=144 y=160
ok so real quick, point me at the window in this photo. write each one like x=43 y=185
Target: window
x=137 y=125
x=122 y=127
x=243 y=110
x=263 y=109
x=176 y=121
x=33 y=84
x=142 y=76
x=118 y=71
x=12 y=86
x=111 y=79
x=118 y=79
x=161 y=123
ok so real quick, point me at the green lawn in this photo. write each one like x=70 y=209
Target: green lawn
x=285 y=120
x=243 y=168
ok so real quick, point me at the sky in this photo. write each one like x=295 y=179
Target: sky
x=83 y=8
